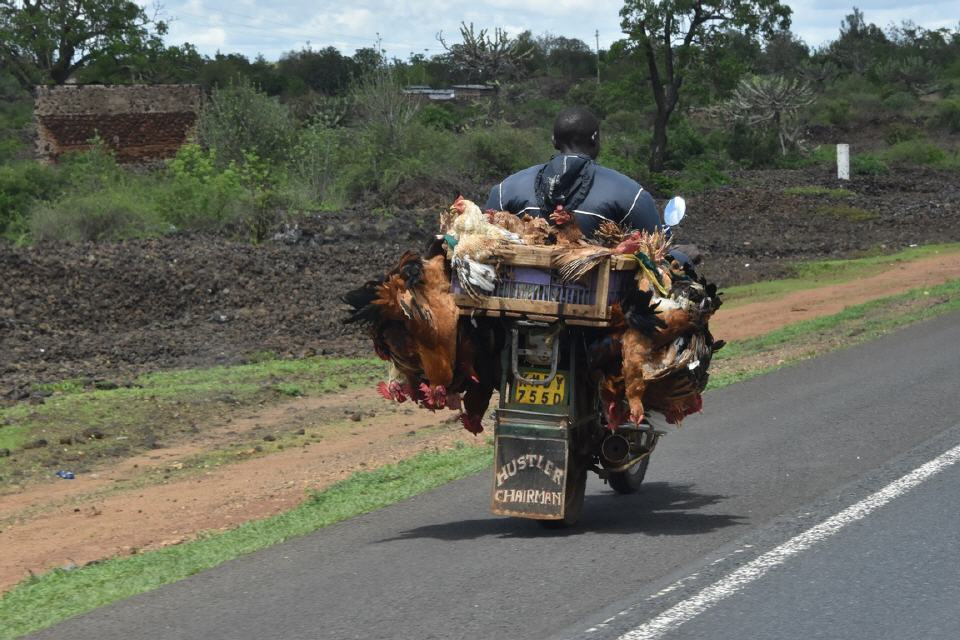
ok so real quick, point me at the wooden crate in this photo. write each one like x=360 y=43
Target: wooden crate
x=596 y=313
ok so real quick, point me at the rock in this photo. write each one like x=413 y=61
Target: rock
x=269 y=437
x=356 y=417
x=4 y=453
x=93 y=434
x=105 y=385
x=36 y=444
x=66 y=439
x=300 y=432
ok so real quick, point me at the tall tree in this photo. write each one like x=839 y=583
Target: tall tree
x=488 y=57
x=668 y=32
x=47 y=41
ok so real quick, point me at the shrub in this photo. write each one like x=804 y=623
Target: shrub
x=239 y=118
x=631 y=123
x=899 y=102
x=21 y=184
x=110 y=214
x=684 y=144
x=948 y=114
x=752 y=147
x=700 y=174
x=899 y=132
x=867 y=164
x=835 y=112
x=626 y=153
x=500 y=150
x=318 y=157
x=199 y=196
x=438 y=117
x=920 y=152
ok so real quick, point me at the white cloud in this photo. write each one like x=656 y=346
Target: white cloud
x=405 y=26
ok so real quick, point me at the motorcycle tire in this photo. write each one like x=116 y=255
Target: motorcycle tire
x=629 y=481
x=576 y=489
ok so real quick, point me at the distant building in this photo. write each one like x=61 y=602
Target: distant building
x=140 y=123
x=457 y=92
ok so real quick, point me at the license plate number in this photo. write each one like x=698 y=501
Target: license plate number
x=544 y=395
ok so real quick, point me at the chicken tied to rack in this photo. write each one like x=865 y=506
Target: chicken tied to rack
x=411 y=316
x=657 y=354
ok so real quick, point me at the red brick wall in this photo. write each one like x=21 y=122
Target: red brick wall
x=140 y=123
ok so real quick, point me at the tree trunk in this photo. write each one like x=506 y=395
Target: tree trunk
x=658 y=149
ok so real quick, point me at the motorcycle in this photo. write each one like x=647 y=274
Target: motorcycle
x=550 y=431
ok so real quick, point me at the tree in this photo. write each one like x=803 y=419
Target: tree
x=860 y=44
x=490 y=58
x=769 y=103
x=47 y=41
x=668 y=32
x=324 y=70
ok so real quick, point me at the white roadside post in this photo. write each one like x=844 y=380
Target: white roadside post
x=843 y=161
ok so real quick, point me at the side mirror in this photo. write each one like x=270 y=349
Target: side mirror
x=674 y=211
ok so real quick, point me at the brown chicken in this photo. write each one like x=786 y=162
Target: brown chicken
x=412 y=318
x=565 y=230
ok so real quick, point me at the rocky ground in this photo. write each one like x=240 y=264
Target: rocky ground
x=114 y=310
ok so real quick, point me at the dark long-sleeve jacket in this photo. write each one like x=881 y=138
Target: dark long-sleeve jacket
x=592 y=192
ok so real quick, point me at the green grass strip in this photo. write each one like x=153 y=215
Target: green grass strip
x=76 y=407
x=855 y=324
x=809 y=275
x=55 y=596
x=50 y=598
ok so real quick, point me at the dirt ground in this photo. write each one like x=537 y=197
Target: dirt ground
x=115 y=310
x=109 y=513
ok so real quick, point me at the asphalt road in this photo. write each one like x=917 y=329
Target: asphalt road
x=767 y=459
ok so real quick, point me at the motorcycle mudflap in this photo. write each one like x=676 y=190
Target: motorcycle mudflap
x=529 y=479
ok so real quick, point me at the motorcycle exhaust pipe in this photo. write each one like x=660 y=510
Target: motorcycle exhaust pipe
x=615 y=448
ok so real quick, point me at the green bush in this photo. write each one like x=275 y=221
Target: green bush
x=899 y=132
x=199 y=196
x=318 y=158
x=921 y=152
x=239 y=118
x=501 y=150
x=700 y=174
x=438 y=117
x=111 y=214
x=899 y=102
x=752 y=147
x=626 y=153
x=684 y=144
x=948 y=114
x=867 y=164
x=21 y=184
x=832 y=111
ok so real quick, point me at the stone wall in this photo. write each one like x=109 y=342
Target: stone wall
x=141 y=123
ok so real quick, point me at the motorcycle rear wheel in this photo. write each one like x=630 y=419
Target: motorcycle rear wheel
x=629 y=481
x=576 y=489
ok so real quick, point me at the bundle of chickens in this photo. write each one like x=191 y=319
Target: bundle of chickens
x=653 y=356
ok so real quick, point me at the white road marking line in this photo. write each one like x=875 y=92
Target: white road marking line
x=688 y=609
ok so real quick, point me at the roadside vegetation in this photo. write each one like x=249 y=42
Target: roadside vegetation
x=320 y=130
x=82 y=424
x=817 y=273
x=43 y=600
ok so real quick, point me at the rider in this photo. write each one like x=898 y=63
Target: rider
x=574 y=181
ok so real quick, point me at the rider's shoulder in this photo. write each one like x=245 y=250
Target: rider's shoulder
x=615 y=177
x=529 y=173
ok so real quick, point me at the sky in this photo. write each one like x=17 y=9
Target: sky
x=256 y=27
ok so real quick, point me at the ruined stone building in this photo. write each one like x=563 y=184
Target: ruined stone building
x=140 y=123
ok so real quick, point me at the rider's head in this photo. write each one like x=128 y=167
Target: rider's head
x=576 y=130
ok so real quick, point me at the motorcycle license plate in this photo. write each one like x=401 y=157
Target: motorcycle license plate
x=543 y=395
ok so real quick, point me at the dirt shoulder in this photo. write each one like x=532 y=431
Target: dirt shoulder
x=171 y=495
